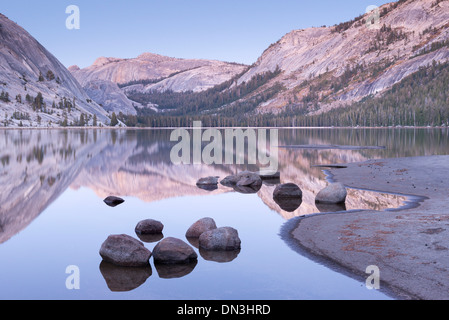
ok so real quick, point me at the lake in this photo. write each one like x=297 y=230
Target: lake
x=52 y=213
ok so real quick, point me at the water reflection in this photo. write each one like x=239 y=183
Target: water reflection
x=150 y=238
x=288 y=204
x=38 y=165
x=219 y=256
x=172 y=271
x=120 y=279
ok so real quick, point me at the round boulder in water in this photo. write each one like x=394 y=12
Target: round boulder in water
x=287 y=191
x=173 y=251
x=224 y=238
x=202 y=225
x=149 y=226
x=332 y=194
x=124 y=250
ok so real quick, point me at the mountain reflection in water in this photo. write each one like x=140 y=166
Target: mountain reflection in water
x=37 y=166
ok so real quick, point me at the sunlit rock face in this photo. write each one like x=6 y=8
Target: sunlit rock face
x=159 y=73
x=110 y=97
x=171 y=73
x=319 y=54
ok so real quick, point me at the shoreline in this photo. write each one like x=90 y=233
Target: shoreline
x=205 y=127
x=409 y=246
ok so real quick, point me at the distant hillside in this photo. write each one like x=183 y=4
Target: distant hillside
x=150 y=72
x=310 y=72
x=420 y=99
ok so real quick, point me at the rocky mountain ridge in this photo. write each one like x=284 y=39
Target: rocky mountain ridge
x=327 y=67
x=316 y=69
x=149 y=72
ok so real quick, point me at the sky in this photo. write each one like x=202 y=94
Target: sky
x=231 y=30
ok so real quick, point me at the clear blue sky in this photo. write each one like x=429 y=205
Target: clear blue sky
x=228 y=30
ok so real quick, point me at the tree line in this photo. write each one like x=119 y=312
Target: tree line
x=190 y=102
x=421 y=99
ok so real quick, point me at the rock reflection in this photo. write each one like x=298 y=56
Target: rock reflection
x=219 y=256
x=121 y=279
x=150 y=238
x=194 y=241
x=37 y=167
x=246 y=189
x=288 y=204
x=171 y=271
x=208 y=187
x=327 y=207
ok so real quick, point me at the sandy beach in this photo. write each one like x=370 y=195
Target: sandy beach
x=410 y=246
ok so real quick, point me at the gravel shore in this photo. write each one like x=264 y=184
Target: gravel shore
x=410 y=247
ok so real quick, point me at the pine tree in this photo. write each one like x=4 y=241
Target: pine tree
x=114 y=120
x=82 y=120
x=50 y=75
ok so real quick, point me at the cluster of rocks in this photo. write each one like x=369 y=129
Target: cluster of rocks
x=288 y=196
x=243 y=182
x=126 y=251
x=332 y=198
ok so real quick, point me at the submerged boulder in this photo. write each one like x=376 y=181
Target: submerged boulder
x=224 y=238
x=113 y=201
x=202 y=225
x=332 y=194
x=173 y=251
x=124 y=250
x=207 y=181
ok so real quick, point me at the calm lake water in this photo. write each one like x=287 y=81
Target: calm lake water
x=52 y=213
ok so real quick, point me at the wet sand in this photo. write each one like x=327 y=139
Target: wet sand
x=410 y=247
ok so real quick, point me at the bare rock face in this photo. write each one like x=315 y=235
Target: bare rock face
x=201 y=226
x=28 y=68
x=169 y=73
x=110 y=97
x=123 y=250
x=221 y=239
x=313 y=53
x=173 y=251
x=333 y=194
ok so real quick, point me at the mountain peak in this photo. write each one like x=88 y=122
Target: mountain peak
x=153 y=57
x=73 y=68
x=102 y=61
